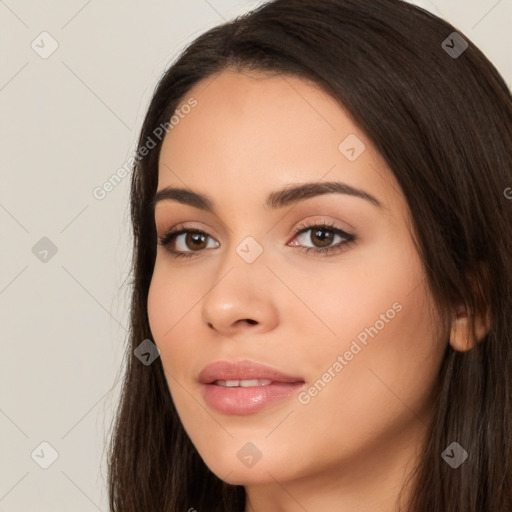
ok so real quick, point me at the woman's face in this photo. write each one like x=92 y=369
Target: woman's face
x=342 y=310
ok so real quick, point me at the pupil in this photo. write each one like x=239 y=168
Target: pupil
x=324 y=240
x=195 y=238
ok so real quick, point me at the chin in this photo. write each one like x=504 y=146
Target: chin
x=235 y=472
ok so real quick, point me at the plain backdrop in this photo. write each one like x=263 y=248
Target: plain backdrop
x=75 y=81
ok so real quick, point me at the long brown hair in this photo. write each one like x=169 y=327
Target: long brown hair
x=443 y=123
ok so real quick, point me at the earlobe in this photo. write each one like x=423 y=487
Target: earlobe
x=462 y=338
x=460 y=334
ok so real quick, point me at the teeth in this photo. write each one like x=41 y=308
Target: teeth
x=243 y=383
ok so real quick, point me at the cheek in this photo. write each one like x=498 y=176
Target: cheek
x=158 y=312
x=171 y=296
x=384 y=388
x=362 y=298
x=174 y=306
x=166 y=312
x=167 y=306
x=390 y=358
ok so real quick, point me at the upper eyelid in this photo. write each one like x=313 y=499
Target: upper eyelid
x=328 y=227
x=311 y=223
x=351 y=230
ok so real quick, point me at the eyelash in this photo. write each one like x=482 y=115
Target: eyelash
x=302 y=228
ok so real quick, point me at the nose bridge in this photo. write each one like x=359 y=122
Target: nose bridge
x=246 y=236
x=241 y=290
x=242 y=267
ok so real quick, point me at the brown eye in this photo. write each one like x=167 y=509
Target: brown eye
x=326 y=239
x=195 y=240
x=319 y=235
x=185 y=242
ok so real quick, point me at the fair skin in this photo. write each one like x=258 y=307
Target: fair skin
x=352 y=445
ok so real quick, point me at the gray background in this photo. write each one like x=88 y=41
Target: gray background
x=68 y=121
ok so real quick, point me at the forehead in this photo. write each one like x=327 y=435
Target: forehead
x=253 y=93
x=250 y=132
x=256 y=110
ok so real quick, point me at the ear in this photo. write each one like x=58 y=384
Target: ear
x=462 y=336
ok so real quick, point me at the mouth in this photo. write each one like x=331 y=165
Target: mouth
x=243 y=373
x=245 y=387
x=247 y=383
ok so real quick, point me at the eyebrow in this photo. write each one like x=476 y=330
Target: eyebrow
x=278 y=199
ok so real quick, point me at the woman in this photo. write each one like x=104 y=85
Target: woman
x=322 y=241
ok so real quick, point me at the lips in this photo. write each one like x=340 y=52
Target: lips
x=229 y=372
x=245 y=387
x=245 y=383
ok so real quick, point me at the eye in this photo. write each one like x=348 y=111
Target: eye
x=322 y=235
x=185 y=239
x=182 y=242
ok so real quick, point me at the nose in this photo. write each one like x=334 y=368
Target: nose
x=242 y=297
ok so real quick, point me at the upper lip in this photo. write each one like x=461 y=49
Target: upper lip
x=242 y=370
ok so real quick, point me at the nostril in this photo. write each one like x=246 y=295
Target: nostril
x=250 y=321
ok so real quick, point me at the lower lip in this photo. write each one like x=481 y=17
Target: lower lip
x=239 y=400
